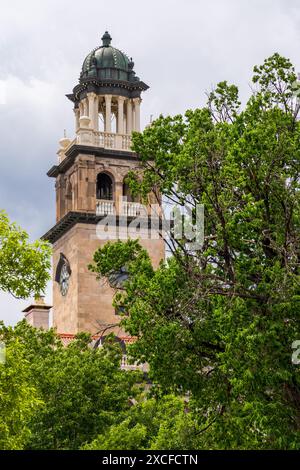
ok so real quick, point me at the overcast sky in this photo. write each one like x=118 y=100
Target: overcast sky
x=180 y=48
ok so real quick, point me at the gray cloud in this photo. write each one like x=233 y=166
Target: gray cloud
x=181 y=49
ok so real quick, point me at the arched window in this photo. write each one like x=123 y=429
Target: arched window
x=128 y=195
x=104 y=187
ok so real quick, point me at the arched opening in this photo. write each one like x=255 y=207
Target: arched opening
x=127 y=194
x=109 y=339
x=113 y=124
x=101 y=114
x=101 y=126
x=132 y=205
x=114 y=115
x=104 y=187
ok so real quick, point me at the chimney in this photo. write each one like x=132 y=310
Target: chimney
x=37 y=314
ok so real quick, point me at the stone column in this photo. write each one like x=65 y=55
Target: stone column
x=129 y=116
x=96 y=113
x=107 y=123
x=137 y=125
x=59 y=196
x=91 y=100
x=85 y=106
x=118 y=196
x=81 y=109
x=77 y=116
x=85 y=134
x=120 y=128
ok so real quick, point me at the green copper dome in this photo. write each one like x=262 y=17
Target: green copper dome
x=108 y=62
x=107 y=70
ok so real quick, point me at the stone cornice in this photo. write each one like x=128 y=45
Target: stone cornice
x=67 y=222
x=36 y=307
x=75 y=150
x=108 y=86
x=72 y=218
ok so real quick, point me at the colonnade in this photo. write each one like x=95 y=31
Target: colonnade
x=125 y=110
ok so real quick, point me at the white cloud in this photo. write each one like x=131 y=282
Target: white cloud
x=2 y=92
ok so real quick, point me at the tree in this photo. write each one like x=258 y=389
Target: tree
x=24 y=266
x=24 y=270
x=18 y=398
x=219 y=322
x=83 y=390
x=153 y=423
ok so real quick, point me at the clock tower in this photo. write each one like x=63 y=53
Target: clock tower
x=93 y=201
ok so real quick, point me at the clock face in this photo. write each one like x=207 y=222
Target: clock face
x=64 y=280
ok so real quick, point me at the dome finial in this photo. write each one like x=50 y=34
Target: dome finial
x=106 y=39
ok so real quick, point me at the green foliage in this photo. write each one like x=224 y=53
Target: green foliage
x=224 y=103
x=219 y=323
x=114 y=256
x=84 y=390
x=119 y=437
x=277 y=81
x=154 y=423
x=24 y=266
x=18 y=398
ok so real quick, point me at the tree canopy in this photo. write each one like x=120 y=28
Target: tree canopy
x=218 y=323
x=60 y=397
x=24 y=266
